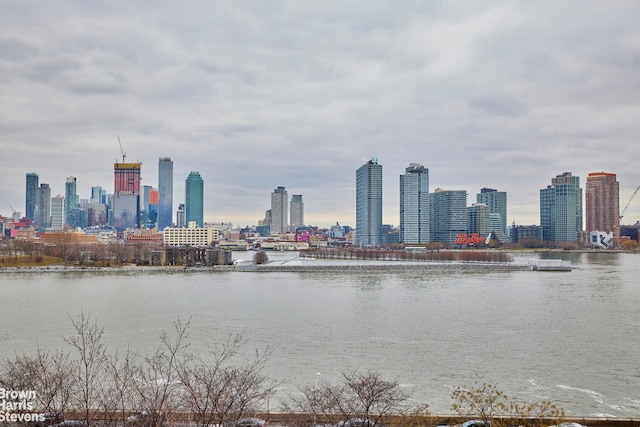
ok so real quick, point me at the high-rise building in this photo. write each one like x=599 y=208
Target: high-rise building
x=96 y=214
x=126 y=178
x=165 y=193
x=297 y=211
x=57 y=212
x=414 y=205
x=71 y=203
x=448 y=215
x=126 y=195
x=43 y=206
x=146 y=189
x=31 y=194
x=98 y=195
x=180 y=216
x=279 y=211
x=478 y=219
x=561 y=209
x=369 y=204
x=602 y=200
x=194 y=199
x=152 y=207
x=496 y=202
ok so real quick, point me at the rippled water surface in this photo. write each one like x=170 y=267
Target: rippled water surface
x=570 y=337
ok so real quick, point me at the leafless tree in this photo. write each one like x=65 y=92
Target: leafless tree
x=88 y=368
x=491 y=405
x=116 y=396
x=48 y=373
x=484 y=401
x=156 y=386
x=118 y=252
x=365 y=396
x=223 y=388
x=535 y=414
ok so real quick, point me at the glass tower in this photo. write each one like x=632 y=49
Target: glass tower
x=43 y=204
x=496 y=202
x=448 y=215
x=561 y=209
x=414 y=204
x=194 y=199
x=165 y=193
x=369 y=203
x=31 y=195
x=71 y=203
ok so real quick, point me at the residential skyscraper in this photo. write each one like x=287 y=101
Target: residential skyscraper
x=414 y=205
x=194 y=199
x=297 y=211
x=369 y=204
x=31 y=194
x=180 y=217
x=43 y=206
x=602 y=199
x=279 y=211
x=478 y=219
x=146 y=189
x=71 y=203
x=98 y=195
x=126 y=178
x=152 y=207
x=448 y=215
x=165 y=193
x=57 y=212
x=496 y=202
x=561 y=209
x=126 y=195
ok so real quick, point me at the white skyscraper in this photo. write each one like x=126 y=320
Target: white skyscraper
x=57 y=212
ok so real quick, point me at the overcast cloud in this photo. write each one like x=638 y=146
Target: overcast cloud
x=260 y=94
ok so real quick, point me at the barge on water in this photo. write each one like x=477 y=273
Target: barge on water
x=552 y=265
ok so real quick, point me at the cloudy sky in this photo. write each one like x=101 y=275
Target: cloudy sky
x=260 y=94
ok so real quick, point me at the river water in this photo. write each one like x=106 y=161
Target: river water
x=573 y=337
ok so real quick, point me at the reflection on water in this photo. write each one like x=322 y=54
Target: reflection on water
x=601 y=257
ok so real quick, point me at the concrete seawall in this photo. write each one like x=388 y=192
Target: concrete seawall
x=387 y=267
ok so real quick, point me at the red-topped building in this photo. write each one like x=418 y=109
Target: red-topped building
x=126 y=195
x=126 y=178
x=603 y=203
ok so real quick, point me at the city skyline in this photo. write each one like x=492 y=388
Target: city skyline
x=496 y=95
x=496 y=201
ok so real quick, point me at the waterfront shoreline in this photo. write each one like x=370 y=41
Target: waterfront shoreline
x=362 y=266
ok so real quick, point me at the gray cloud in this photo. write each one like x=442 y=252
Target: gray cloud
x=255 y=95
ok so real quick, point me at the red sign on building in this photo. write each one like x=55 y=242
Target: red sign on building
x=468 y=239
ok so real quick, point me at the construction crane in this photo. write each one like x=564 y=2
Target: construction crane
x=629 y=201
x=124 y=155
